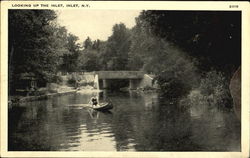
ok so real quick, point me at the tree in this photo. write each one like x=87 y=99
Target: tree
x=31 y=44
x=185 y=49
x=141 y=47
x=152 y=54
x=70 y=60
x=87 y=43
x=212 y=37
x=117 y=48
x=89 y=60
x=60 y=44
x=96 y=45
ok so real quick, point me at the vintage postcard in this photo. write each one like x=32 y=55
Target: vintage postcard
x=125 y=79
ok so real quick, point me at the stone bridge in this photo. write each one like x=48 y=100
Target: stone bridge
x=120 y=74
x=134 y=77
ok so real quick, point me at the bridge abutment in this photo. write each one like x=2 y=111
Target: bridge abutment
x=104 y=83
x=133 y=84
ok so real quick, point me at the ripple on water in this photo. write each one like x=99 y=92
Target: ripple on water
x=134 y=125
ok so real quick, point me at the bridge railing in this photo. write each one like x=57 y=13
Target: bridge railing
x=75 y=73
x=120 y=74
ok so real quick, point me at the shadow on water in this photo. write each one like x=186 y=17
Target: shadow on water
x=138 y=122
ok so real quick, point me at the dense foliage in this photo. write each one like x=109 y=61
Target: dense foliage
x=38 y=46
x=70 y=60
x=211 y=44
x=90 y=57
x=31 y=44
x=189 y=52
x=117 y=48
x=213 y=37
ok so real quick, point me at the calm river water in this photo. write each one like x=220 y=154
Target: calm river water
x=138 y=122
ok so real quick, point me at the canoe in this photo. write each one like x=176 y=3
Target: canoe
x=103 y=106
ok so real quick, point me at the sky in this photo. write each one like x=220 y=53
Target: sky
x=97 y=24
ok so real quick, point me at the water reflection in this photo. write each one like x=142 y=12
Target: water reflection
x=138 y=122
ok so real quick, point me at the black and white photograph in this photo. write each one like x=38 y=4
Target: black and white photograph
x=119 y=80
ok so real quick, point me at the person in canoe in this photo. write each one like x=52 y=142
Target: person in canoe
x=93 y=101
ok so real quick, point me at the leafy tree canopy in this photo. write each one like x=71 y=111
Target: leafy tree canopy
x=87 y=43
x=212 y=37
x=117 y=48
x=31 y=43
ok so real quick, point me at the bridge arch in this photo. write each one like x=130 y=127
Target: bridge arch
x=136 y=78
x=106 y=77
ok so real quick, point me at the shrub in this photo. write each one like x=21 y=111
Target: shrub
x=216 y=86
x=72 y=81
x=213 y=91
x=172 y=87
x=57 y=79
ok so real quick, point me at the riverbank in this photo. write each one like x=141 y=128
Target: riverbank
x=58 y=91
x=21 y=99
x=54 y=90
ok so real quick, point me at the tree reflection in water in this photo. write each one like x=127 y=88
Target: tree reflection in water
x=138 y=122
